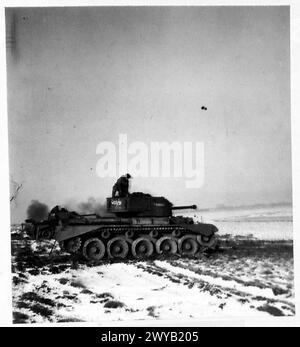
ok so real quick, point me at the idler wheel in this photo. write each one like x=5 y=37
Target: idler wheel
x=93 y=249
x=166 y=245
x=142 y=248
x=117 y=248
x=72 y=245
x=188 y=245
x=207 y=241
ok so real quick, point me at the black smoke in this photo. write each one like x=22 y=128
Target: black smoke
x=37 y=211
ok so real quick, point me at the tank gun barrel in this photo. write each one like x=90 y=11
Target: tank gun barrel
x=193 y=207
x=89 y=215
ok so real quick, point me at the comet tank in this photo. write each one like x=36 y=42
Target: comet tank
x=140 y=226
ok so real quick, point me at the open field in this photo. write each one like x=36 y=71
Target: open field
x=251 y=275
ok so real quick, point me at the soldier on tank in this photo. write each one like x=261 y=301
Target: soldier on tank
x=121 y=187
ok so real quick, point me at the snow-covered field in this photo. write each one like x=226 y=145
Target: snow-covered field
x=274 y=223
x=251 y=275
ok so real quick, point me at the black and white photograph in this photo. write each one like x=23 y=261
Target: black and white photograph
x=150 y=164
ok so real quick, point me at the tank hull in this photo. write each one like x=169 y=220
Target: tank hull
x=138 y=239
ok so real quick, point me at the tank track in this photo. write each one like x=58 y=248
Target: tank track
x=140 y=242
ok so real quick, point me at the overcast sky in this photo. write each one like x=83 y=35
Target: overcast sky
x=80 y=76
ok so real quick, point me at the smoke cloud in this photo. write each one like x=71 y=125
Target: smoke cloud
x=91 y=205
x=37 y=211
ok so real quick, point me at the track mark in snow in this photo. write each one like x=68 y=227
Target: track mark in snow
x=249 y=288
x=257 y=298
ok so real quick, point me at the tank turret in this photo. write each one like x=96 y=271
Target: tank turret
x=143 y=205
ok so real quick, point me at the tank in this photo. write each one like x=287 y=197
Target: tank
x=140 y=226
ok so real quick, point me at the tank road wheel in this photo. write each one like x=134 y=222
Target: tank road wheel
x=72 y=245
x=93 y=249
x=166 y=245
x=142 y=248
x=188 y=245
x=207 y=241
x=117 y=248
